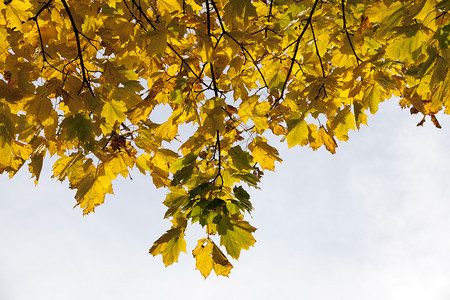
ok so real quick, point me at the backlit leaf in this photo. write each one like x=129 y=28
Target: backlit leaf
x=264 y=154
x=169 y=245
x=235 y=236
x=297 y=134
x=114 y=111
x=208 y=257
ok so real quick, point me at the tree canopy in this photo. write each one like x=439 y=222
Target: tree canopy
x=84 y=80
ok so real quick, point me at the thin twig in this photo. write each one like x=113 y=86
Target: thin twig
x=268 y=17
x=348 y=34
x=41 y=42
x=297 y=43
x=141 y=12
x=80 y=52
x=217 y=147
x=208 y=18
x=213 y=77
x=317 y=50
x=224 y=31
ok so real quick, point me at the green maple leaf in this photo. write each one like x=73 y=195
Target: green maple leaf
x=235 y=236
x=78 y=126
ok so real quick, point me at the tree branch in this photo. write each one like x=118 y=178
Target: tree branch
x=317 y=50
x=208 y=17
x=41 y=42
x=213 y=77
x=217 y=147
x=244 y=50
x=297 y=43
x=268 y=17
x=347 y=33
x=46 y=5
x=80 y=52
x=141 y=11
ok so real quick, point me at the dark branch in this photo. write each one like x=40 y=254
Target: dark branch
x=268 y=17
x=217 y=147
x=213 y=77
x=133 y=15
x=80 y=52
x=348 y=34
x=141 y=12
x=297 y=43
x=208 y=18
x=317 y=50
x=41 y=42
x=244 y=50
x=46 y=5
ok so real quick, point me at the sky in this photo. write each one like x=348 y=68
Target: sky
x=370 y=222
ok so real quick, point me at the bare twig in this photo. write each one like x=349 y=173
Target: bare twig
x=217 y=147
x=358 y=60
x=142 y=13
x=317 y=50
x=297 y=43
x=244 y=50
x=213 y=77
x=80 y=52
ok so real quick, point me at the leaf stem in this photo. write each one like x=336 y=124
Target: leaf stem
x=219 y=174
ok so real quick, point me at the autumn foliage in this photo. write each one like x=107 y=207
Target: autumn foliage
x=82 y=80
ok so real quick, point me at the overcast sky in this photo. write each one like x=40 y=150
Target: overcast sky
x=371 y=222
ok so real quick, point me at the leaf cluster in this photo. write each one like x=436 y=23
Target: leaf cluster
x=83 y=80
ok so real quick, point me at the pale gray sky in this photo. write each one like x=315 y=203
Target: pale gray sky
x=371 y=222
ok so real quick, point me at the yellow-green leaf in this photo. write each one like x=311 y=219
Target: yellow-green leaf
x=156 y=42
x=264 y=154
x=208 y=257
x=235 y=236
x=298 y=134
x=169 y=245
x=373 y=97
x=114 y=111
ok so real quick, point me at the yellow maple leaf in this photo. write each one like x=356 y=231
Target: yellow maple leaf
x=169 y=245
x=17 y=12
x=169 y=6
x=264 y=154
x=156 y=42
x=328 y=140
x=298 y=135
x=114 y=111
x=208 y=257
x=342 y=123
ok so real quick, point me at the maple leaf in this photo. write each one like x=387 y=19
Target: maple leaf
x=235 y=235
x=297 y=133
x=114 y=111
x=169 y=245
x=264 y=154
x=208 y=257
